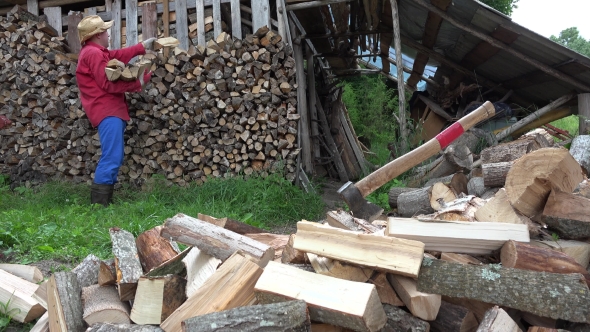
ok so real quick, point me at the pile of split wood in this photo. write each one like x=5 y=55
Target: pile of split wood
x=473 y=264
x=224 y=109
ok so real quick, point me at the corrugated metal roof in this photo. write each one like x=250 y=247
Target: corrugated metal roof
x=530 y=84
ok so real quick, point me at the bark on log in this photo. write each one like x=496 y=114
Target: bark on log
x=476 y=186
x=497 y=320
x=568 y=215
x=107 y=273
x=328 y=299
x=415 y=202
x=87 y=271
x=579 y=251
x=127 y=263
x=174 y=265
x=454 y=318
x=532 y=177
x=290 y=316
x=102 y=305
x=509 y=151
x=456 y=158
x=16 y=293
x=153 y=249
x=457 y=182
x=275 y=241
x=580 y=150
x=494 y=174
x=559 y=296
x=65 y=303
x=215 y=241
x=106 y=327
x=399 y=320
x=394 y=193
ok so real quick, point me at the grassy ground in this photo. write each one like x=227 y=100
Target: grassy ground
x=569 y=123
x=55 y=221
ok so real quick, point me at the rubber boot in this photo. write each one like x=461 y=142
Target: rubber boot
x=101 y=194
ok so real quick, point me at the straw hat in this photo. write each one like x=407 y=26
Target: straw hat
x=90 y=26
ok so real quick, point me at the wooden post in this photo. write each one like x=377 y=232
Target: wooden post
x=330 y=142
x=260 y=14
x=304 y=126
x=54 y=18
x=73 y=40
x=182 y=24
x=200 y=22
x=400 y=74
x=33 y=7
x=281 y=14
x=584 y=113
x=311 y=94
x=116 y=28
x=149 y=21
x=131 y=24
x=236 y=20
x=166 y=23
x=90 y=11
x=216 y=19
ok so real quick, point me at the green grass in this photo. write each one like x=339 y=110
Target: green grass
x=570 y=123
x=56 y=221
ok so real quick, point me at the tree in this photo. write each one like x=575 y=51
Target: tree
x=571 y=39
x=503 y=6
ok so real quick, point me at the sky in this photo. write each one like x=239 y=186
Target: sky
x=550 y=17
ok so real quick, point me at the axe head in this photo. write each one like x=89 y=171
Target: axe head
x=359 y=206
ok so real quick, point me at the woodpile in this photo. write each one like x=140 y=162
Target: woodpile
x=224 y=109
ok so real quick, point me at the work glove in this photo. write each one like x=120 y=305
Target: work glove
x=4 y=122
x=145 y=78
x=148 y=44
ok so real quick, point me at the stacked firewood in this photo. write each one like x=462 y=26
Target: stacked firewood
x=474 y=264
x=224 y=109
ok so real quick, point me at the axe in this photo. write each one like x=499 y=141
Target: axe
x=354 y=193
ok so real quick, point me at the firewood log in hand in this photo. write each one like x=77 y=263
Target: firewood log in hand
x=4 y=122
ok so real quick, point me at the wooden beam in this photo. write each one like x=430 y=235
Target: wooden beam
x=131 y=14
x=216 y=19
x=494 y=42
x=116 y=28
x=401 y=94
x=33 y=7
x=236 y=17
x=73 y=40
x=149 y=21
x=200 y=23
x=260 y=14
x=313 y=4
x=54 y=18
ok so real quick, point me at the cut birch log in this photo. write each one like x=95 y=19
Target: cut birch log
x=107 y=273
x=532 y=177
x=527 y=257
x=422 y=305
x=127 y=265
x=568 y=215
x=394 y=193
x=459 y=258
x=497 y=320
x=578 y=250
x=291 y=255
x=457 y=236
x=87 y=271
x=102 y=305
x=580 y=150
x=336 y=269
x=333 y=301
x=290 y=316
x=377 y=252
x=64 y=303
x=231 y=286
x=494 y=174
x=454 y=318
x=106 y=327
x=385 y=290
x=456 y=158
x=344 y=220
x=509 y=151
x=400 y=320
x=42 y=324
x=275 y=241
x=554 y=295
x=214 y=240
x=153 y=250
x=16 y=293
x=157 y=298
x=199 y=267
x=28 y=272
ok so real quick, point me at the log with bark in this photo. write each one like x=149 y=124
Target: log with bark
x=456 y=158
x=127 y=265
x=153 y=250
x=567 y=214
x=394 y=193
x=578 y=250
x=102 y=305
x=385 y=290
x=87 y=271
x=454 y=318
x=497 y=320
x=64 y=303
x=580 y=151
x=399 y=320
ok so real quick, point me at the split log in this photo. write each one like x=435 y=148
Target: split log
x=231 y=286
x=532 y=177
x=457 y=182
x=394 y=193
x=157 y=298
x=460 y=209
x=422 y=305
x=385 y=290
x=87 y=271
x=476 y=186
x=498 y=209
x=231 y=224
x=494 y=174
x=127 y=263
x=527 y=257
x=478 y=308
x=399 y=320
x=102 y=305
x=290 y=316
x=579 y=251
x=175 y=265
x=16 y=293
x=214 y=240
x=275 y=241
x=580 y=150
x=153 y=250
x=459 y=258
x=344 y=220
x=544 y=329
x=107 y=273
x=291 y=255
x=455 y=159
x=440 y=195
x=333 y=301
x=28 y=272
x=165 y=42
x=457 y=236
x=454 y=318
x=106 y=327
x=42 y=324
x=497 y=320
x=510 y=151
x=377 y=252
x=65 y=303
x=336 y=269
x=40 y=294
x=199 y=267
x=568 y=215
x=583 y=189
x=558 y=296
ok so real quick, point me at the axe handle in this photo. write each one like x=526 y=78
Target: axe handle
x=396 y=167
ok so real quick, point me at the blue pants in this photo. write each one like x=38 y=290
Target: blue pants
x=110 y=133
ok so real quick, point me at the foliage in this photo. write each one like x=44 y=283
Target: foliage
x=571 y=39
x=503 y=6
x=56 y=221
x=6 y=314
x=570 y=123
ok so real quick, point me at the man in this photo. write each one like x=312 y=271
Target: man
x=104 y=101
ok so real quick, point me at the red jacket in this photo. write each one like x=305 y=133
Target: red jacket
x=101 y=97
